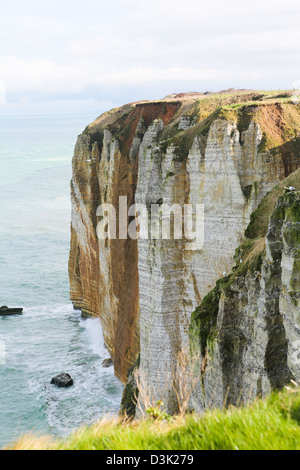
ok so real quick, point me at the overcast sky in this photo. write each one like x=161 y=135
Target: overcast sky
x=86 y=56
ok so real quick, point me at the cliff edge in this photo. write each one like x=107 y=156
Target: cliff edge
x=223 y=151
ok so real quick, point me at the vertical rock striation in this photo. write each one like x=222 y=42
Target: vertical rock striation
x=225 y=152
x=246 y=330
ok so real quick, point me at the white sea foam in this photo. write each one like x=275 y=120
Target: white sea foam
x=50 y=337
x=94 y=335
x=44 y=342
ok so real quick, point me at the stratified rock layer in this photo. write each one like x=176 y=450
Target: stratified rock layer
x=223 y=151
x=247 y=330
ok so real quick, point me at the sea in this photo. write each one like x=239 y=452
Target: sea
x=50 y=337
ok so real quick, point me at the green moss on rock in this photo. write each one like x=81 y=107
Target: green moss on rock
x=130 y=394
x=203 y=327
x=204 y=319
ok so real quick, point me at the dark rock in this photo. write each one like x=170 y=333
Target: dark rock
x=76 y=308
x=10 y=311
x=107 y=363
x=62 y=381
x=130 y=393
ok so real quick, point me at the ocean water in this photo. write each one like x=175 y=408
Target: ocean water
x=50 y=338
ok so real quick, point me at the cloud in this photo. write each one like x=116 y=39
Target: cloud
x=90 y=107
x=63 y=50
x=42 y=75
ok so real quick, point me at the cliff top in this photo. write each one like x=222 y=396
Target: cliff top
x=211 y=101
x=187 y=115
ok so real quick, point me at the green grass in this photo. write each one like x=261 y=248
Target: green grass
x=259 y=223
x=268 y=424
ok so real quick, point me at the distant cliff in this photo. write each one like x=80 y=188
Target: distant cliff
x=226 y=151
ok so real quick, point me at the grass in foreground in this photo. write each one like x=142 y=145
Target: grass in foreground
x=269 y=424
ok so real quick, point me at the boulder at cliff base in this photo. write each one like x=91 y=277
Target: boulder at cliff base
x=62 y=381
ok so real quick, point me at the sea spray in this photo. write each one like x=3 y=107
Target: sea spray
x=35 y=168
x=45 y=341
x=94 y=336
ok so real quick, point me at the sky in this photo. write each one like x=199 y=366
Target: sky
x=88 y=56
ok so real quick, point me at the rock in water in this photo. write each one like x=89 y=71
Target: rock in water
x=62 y=381
x=107 y=363
x=10 y=311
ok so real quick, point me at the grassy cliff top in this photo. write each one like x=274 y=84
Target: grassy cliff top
x=197 y=105
x=207 y=102
x=276 y=112
x=268 y=424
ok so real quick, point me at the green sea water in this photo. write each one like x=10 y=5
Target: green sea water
x=50 y=338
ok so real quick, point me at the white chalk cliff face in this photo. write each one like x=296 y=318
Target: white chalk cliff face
x=173 y=279
x=168 y=152
x=247 y=329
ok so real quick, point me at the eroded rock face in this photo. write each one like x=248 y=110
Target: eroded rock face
x=247 y=330
x=174 y=152
x=104 y=274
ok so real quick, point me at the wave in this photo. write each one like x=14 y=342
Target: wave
x=45 y=341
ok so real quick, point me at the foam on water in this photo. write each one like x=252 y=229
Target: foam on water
x=94 y=336
x=45 y=341
x=50 y=337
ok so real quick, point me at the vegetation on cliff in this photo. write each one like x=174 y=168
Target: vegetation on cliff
x=269 y=275
x=276 y=113
x=270 y=424
x=259 y=222
x=106 y=166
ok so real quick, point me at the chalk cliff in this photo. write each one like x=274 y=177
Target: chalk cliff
x=225 y=151
x=247 y=329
